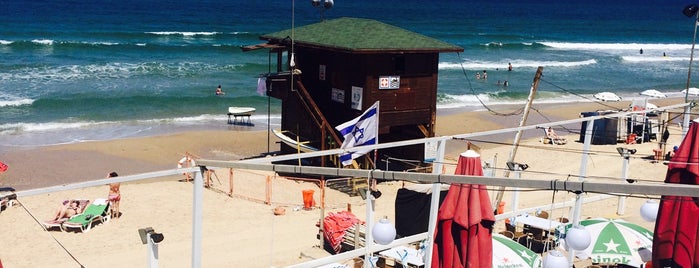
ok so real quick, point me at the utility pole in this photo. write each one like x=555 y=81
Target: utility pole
x=518 y=136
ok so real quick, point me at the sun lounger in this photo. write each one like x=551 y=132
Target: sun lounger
x=95 y=212
x=50 y=224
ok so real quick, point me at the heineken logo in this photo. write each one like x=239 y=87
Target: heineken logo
x=610 y=259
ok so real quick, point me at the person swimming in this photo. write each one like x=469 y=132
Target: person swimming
x=219 y=91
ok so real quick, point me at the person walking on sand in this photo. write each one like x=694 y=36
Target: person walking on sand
x=114 y=195
x=219 y=91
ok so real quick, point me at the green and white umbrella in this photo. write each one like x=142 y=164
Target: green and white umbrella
x=507 y=253
x=613 y=241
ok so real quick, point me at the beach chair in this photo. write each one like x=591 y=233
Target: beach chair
x=51 y=224
x=95 y=212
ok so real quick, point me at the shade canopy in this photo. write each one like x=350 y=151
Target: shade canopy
x=463 y=237
x=508 y=253
x=676 y=240
x=613 y=241
x=607 y=96
x=653 y=93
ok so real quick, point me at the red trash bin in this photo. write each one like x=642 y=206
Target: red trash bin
x=308 y=201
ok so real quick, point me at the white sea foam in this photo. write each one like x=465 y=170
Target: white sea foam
x=616 y=46
x=109 y=70
x=16 y=102
x=47 y=42
x=642 y=58
x=184 y=33
x=5 y=42
x=489 y=65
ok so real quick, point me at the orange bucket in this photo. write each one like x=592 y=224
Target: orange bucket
x=308 y=201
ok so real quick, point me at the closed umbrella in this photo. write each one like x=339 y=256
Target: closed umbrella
x=463 y=237
x=614 y=241
x=508 y=253
x=676 y=240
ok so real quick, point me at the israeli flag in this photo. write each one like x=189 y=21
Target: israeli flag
x=363 y=130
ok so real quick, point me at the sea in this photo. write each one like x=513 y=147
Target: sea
x=75 y=71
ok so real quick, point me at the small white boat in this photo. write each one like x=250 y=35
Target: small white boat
x=300 y=145
x=241 y=111
x=607 y=96
x=653 y=93
x=692 y=91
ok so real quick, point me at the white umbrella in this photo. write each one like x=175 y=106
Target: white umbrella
x=653 y=93
x=613 y=241
x=692 y=91
x=607 y=96
x=509 y=253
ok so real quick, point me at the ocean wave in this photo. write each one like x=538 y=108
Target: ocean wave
x=18 y=102
x=112 y=70
x=652 y=59
x=5 y=42
x=485 y=65
x=204 y=119
x=185 y=33
x=616 y=46
x=47 y=42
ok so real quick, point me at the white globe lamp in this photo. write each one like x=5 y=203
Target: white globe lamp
x=578 y=238
x=645 y=254
x=383 y=232
x=649 y=210
x=555 y=259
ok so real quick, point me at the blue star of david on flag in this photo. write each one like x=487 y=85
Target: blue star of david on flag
x=363 y=130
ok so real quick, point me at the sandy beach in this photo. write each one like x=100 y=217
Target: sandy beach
x=241 y=230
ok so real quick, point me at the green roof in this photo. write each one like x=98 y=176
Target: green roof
x=360 y=35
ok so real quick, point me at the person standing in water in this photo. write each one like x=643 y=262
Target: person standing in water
x=219 y=91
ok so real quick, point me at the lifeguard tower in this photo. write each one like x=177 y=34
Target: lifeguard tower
x=340 y=68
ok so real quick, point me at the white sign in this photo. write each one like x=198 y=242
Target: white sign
x=431 y=151
x=338 y=95
x=321 y=72
x=389 y=82
x=357 y=93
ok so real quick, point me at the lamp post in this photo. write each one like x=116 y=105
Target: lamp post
x=327 y=4
x=691 y=10
x=625 y=154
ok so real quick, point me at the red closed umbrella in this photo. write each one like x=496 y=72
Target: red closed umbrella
x=463 y=237
x=676 y=236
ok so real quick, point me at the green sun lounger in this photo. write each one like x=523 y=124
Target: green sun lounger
x=95 y=212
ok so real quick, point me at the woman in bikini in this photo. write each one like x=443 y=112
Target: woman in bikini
x=66 y=210
x=114 y=196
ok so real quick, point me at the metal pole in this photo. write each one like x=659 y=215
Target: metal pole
x=624 y=174
x=197 y=214
x=369 y=240
x=685 y=122
x=583 y=173
x=515 y=193
x=152 y=252
x=434 y=203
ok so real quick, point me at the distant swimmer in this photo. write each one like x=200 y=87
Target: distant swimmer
x=640 y=51
x=219 y=91
x=509 y=67
x=485 y=75
x=478 y=75
x=505 y=83
x=664 y=55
